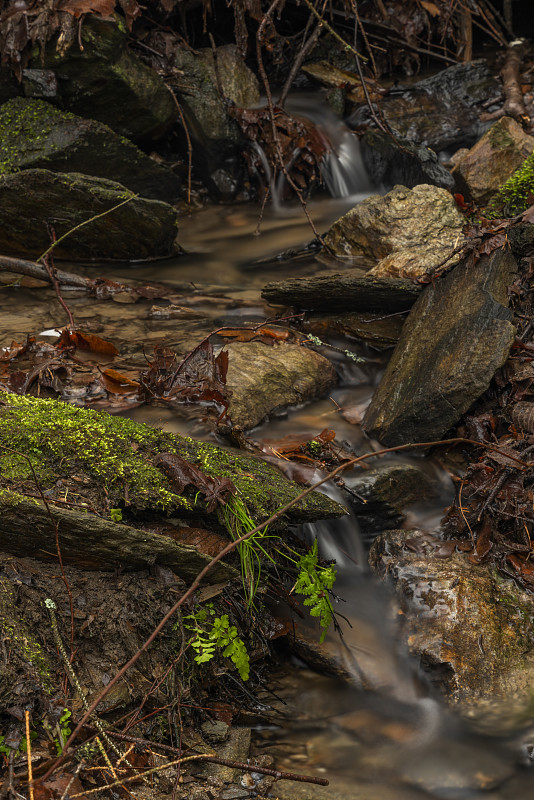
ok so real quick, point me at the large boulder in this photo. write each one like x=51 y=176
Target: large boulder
x=34 y=134
x=457 y=335
x=407 y=231
x=265 y=379
x=206 y=111
x=439 y=112
x=105 y=81
x=491 y=161
x=470 y=628
x=35 y=201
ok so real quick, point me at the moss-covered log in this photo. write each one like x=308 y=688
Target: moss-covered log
x=94 y=468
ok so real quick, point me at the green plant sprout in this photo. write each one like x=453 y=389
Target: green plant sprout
x=212 y=633
x=63 y=730
x=237 y=521
x=314 y=582
x=115 y=514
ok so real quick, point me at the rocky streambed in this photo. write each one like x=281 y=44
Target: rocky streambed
x=404 y=326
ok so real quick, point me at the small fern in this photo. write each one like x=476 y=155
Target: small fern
x=212 y=633
x=314 y=583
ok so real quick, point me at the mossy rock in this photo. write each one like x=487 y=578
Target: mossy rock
x=34 y=134
x=35 y=200
x=206 y=112
x=101 y=462
x=108 y=83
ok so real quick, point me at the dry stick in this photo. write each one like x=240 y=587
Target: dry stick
x=50 y=268
x=131 y=778
x=29 y=753
x=364 y=36
x=189 y=146
x=307 y=46
x=514 y=105
x=275 y=773
x=259 y=38
x=232 y=545
x=33 y=270
x=333 y=33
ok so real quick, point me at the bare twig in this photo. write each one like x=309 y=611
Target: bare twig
x=86 y=222
x=275 y=773
x=307 y=46
x=276 y=139
x=29 y=753
x=50 y=268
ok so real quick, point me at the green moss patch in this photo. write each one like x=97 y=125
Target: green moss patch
x=99 y=461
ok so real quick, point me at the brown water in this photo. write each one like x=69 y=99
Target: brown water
x=394 y=742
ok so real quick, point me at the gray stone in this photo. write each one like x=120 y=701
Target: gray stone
x=491 y=161
x=389 y=163
x=457 y=335
x=407 y=231
x=236 y=748
x=265 y=379
x=105 y=81
x=205 y=110
x=215 y=730
x=379 y=496
x=33 y=200
x=470 y=628
x=37 y=135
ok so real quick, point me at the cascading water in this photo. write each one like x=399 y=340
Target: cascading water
x=342 y=167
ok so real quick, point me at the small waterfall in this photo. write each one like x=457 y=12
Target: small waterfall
x=342 y=166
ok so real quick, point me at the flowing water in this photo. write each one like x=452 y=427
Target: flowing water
x=391 y=740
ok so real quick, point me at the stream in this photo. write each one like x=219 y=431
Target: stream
x=394 y=740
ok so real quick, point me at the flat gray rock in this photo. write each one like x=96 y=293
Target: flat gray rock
x=457 y=335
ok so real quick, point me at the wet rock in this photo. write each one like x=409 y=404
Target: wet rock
x=265 y=379
x=235 y=748
x=378 y=497
x=105 y=81
x=378 y=330
x=33 y=200
x=491 y=161
x=343 y=292
x=438 y=112
x=205 y=110
x=407 y=231
x=457 y=335
x=470 y=628
x=34 y=134
x=470 y=83
x=389 y=163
